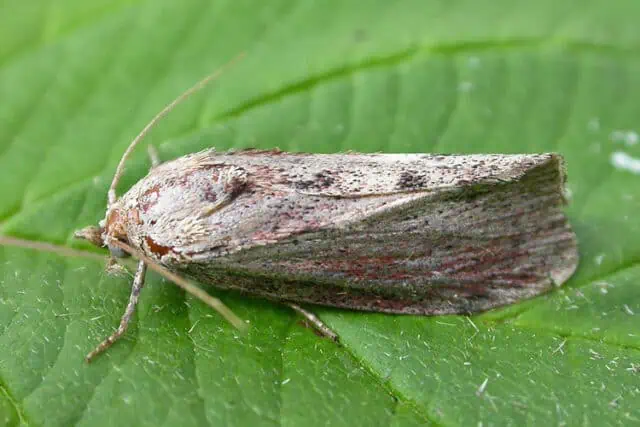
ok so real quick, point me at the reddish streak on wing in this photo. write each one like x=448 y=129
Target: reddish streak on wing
x=157 y=249
x=363 y=268
x=115 y=226
x=486 y=257
x=113 y=218
x=148 y=200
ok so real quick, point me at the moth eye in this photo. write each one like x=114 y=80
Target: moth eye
x=116 y=252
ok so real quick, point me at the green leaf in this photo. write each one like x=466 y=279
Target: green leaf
x=79 y=79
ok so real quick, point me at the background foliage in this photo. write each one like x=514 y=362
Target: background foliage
x=78 y=79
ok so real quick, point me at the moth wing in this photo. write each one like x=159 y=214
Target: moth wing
x=489 y=243
x=364 y=175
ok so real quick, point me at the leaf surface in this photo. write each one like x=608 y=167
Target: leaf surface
x=79 y=79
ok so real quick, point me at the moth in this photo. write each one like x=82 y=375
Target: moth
x=421 y=234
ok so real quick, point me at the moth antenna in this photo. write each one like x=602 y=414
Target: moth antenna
x=48 y=247
x=189 y=287
x=202 y=83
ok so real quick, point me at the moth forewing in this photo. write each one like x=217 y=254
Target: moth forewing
x=414 y=233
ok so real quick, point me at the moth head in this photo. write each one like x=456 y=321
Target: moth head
x=91 y=234
x=108 y=229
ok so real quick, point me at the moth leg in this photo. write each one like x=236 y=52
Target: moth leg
x=315 y=321
x=138 y=283
x=153 y=155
